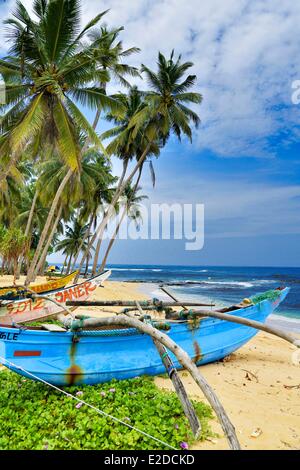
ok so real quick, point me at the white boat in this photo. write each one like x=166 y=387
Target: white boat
x=44 y=306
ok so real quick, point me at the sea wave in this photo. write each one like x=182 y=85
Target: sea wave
x=215 y=283
x=229 y=283
x=136 y=269
x=285 y=317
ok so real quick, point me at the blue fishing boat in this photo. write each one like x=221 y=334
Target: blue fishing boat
x=92 y=356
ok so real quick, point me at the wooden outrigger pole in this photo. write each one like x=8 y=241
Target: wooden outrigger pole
x=131 y=303
x=183 y=358
x=178 y=385
x=290 y=338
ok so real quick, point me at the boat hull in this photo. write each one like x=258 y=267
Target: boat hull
x=93 y=357
x=41 y=288
x=27 y=310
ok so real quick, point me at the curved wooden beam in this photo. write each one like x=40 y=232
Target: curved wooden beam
x=180 y=354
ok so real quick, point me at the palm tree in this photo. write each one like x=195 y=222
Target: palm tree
x=127 y=149
x=110 y=58
x=13 y=245
x=131 y=202
x=94 y=207
x=31 y=218
x=95 y=175
x=47 y=72
x=2 y=235
x=57 y=221
x=165 y=112
x=73 y=240
x=132 y=102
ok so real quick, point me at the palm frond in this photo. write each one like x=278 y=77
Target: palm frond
x=83 y=123
x=152 y=78
x=61 y=23
x=66 y=140
x=186 y=85
x=179 y=119
x=80 y=36
x=96 y=97
x=30 y=124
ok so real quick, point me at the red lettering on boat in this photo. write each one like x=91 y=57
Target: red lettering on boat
x=59 y=297
x=39 y=304
x=27 y=353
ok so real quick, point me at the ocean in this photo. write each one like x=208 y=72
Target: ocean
x=221 y=285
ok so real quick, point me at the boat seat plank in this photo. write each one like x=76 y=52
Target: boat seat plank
x=53 y=328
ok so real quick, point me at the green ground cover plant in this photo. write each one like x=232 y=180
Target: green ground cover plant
x=33 y=416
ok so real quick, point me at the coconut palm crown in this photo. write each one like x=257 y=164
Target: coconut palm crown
x=47 y=72
x=167 y=101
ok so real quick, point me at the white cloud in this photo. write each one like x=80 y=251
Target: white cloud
x=246 y=55
x=234 y=207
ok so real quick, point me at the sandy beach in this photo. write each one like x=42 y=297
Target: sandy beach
x=259 y=385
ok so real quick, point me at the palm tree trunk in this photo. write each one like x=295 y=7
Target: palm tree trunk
x=28 y=227
x=86 y=266
x=47 y=226
x=69 y=264
x=63 y=266
x=2 y=266
x=87 y=234
x=112 y=240
x=103 y=264
x=98 y=113
x=96 y=256
x=99 y=232
x=43 y=257
x=97 y=118
x=15 y=268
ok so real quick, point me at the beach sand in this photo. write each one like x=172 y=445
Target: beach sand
x=259 y=385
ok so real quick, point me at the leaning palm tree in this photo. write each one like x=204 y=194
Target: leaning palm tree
x=165 y=112
x=110 y=58
x=123 y=146
x=131 y=208
x=46 y=73
x=95 y=174
x=128 y=149
x=94 y=207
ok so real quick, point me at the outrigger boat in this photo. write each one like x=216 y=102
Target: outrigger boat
x=18 y=292
x=36 y=308
x=91 y=356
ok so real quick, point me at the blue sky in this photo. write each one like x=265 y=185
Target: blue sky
x=244 y=162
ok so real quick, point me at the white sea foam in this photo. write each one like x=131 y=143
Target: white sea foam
x=218 y=283
x=129 y=269
x=285 y=322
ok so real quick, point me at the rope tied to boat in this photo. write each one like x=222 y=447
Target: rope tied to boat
x=158 y=304
x=101 y=412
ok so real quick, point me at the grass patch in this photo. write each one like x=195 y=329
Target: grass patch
x=33 y=416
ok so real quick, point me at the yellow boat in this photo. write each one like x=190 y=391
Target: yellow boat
x=42 y=288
